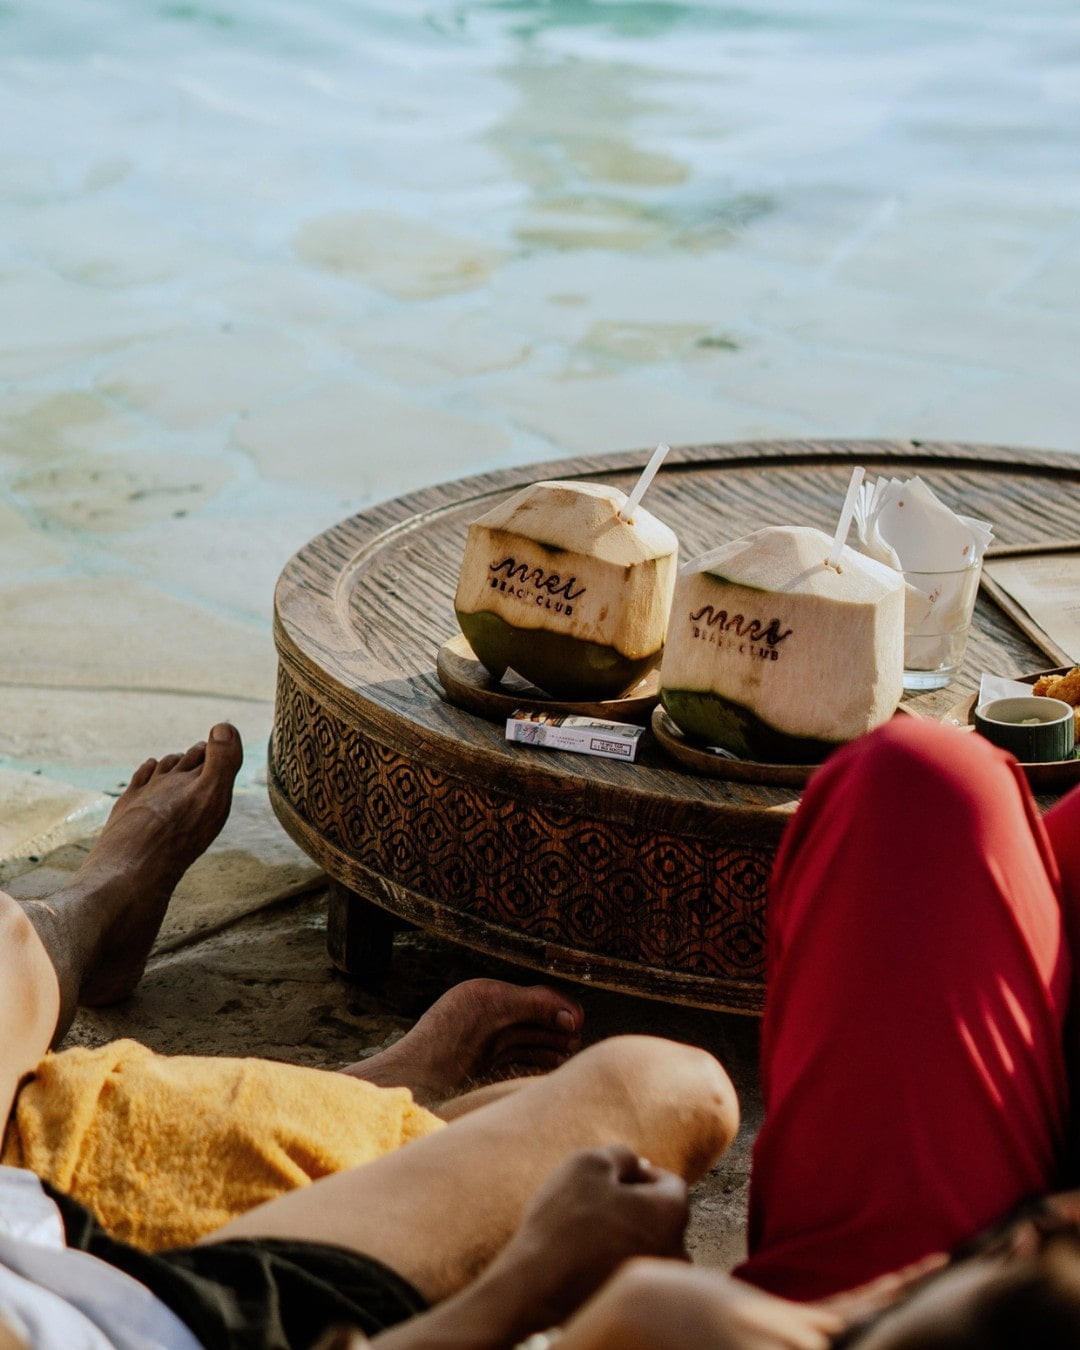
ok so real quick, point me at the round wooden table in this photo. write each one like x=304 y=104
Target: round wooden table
x=641 y=877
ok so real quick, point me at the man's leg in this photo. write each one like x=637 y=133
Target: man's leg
x=650 y=1303
x=912 y=1056
x=89 y=942
x=438 y=1211
x=98 y=930
x=1062 y=823
x=29 y=1000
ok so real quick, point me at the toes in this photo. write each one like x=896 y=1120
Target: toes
x=167 y=764
x=224 y=752
x=554 y=1009
x=507 y=1005
x=193 y=756
x=142 y=774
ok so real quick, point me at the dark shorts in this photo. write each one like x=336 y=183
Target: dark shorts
x=255 y=1294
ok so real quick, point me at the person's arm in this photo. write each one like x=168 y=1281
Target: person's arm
x=869 y=1299
x=493 y=1313
x=664 y=1305
x=1063 y=1206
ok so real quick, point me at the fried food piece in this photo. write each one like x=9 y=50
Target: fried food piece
x=1065 y=687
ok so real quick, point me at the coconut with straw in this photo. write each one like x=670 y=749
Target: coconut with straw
x=569 y=584
x=784 y=644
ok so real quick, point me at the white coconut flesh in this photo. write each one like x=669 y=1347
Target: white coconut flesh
x=783 y=642
x=555 y=563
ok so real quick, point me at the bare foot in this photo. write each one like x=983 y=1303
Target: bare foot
x=478 y=1031
x=99 y=929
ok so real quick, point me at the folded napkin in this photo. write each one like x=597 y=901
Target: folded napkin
x=163 y=1149
x=999 y=686
x=905 y=525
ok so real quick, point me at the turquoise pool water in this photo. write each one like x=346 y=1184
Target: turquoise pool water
x=579 y=224
x=264 y=263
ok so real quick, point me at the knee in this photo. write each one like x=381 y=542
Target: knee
x=910 y=744
x=30 y=983
x=683 y=1098
x=921 y=761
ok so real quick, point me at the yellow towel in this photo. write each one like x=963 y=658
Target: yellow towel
x=163 y=1149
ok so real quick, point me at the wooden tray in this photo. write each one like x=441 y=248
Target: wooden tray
x=1054 y=773
x=470 y=686
x=1019 y=615
x=692 y=755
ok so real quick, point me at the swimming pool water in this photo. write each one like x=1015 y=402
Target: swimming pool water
x=264 y=263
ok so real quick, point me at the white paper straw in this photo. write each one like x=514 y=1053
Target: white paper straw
x=642 y=484
x=844 y=523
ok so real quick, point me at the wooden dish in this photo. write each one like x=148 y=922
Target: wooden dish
x=469 y=684
x=693 y=755
x=1054 y=773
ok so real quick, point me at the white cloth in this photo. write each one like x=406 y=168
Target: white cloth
x=60 y=1299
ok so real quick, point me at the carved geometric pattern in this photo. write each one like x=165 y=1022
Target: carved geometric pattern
x=680 y=904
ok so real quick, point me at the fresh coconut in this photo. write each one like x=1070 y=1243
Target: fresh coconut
x=557 y=586
x=775 y=655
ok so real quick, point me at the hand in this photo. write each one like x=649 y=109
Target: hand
x=750 y=1319
x=855 y=1305
x=1065 y=1205
x=601 y=1207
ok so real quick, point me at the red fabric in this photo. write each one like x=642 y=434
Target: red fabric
x=913 y=1065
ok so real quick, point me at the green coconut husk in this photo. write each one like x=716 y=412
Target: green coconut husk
x=564 y=667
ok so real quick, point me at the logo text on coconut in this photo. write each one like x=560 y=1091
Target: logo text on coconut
x=751 y=637
x=534 y=586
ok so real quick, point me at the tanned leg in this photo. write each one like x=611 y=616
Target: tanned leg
x=29 y=1000
x=439 y=1210
x=98 y=930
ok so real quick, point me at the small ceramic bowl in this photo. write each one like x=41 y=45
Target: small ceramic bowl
x=1035 y=729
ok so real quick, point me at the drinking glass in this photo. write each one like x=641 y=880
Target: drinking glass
x=934 y=649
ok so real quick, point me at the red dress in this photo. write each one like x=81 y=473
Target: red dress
x=913 y=1056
